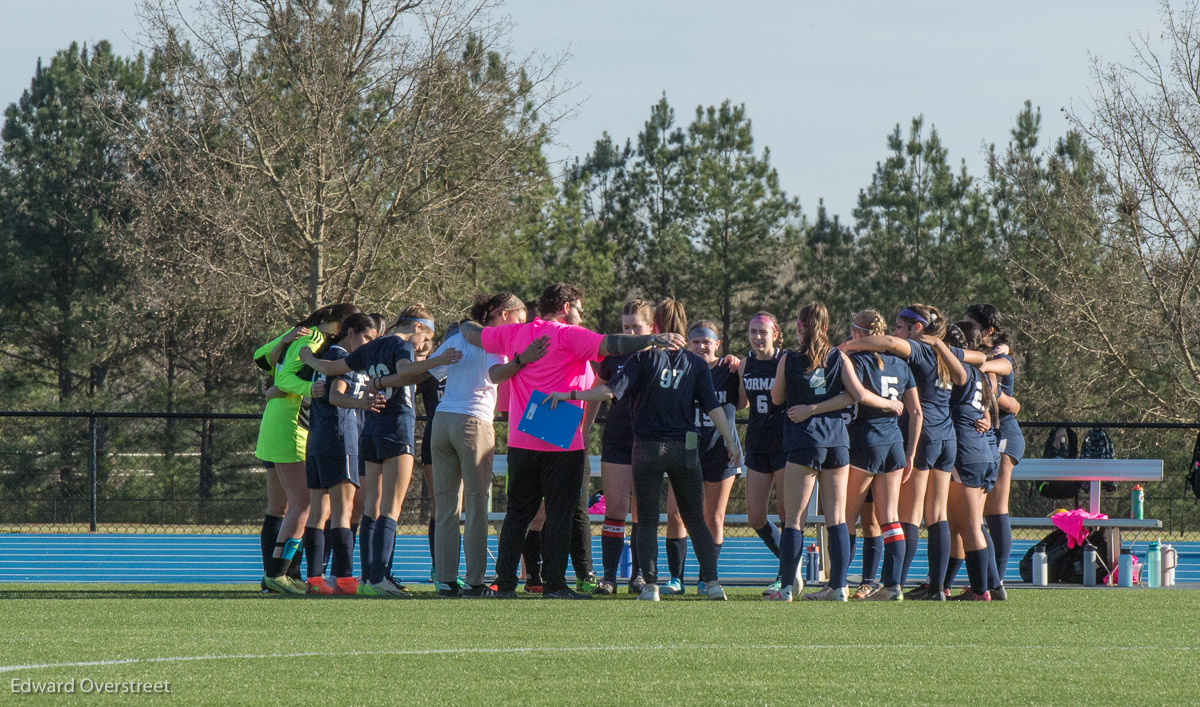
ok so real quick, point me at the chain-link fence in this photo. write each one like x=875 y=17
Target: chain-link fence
x=195 y=472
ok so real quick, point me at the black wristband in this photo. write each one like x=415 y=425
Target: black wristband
x=517 y=360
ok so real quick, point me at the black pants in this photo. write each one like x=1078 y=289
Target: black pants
x=581 y=530
x=682 y=466
x=532 y=477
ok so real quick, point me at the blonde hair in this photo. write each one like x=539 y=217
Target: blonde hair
x=814 y=342
x=872 y=323
x=669 y=318
x=640 y=309
x=411 y=312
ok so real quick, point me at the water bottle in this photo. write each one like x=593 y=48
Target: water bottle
x=1137 y=503
x=1089 y=565
x=1125 y=568
x=1154 y=565
x=625 y=564
x=1170 y=560
x=1041 y=571
x=812 y=566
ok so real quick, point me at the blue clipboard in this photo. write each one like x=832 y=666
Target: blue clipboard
x=555 y=426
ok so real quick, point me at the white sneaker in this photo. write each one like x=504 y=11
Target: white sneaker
x=715 y=592
x=649 y=593
x=781 y=594
x=827 y=594
x=893 y=593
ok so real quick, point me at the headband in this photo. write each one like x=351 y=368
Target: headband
x=768 y=321
x=861 y=328
x=427 y=322
x=910 y=314
x=703 y=331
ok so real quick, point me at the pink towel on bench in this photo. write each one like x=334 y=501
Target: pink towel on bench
x=1072 y=522
x=597 y=508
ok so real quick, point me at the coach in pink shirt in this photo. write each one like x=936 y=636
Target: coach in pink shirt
x=538 y=470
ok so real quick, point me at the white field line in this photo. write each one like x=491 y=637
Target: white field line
x=553 y=649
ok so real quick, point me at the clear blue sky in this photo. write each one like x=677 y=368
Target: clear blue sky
x=823 y=82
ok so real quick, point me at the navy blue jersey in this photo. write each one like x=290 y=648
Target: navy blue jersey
x=431 y=389
x=872 y=426
x=764 y=430
x=664 y=388
x=966 y=408
x=329 y=424
x=378 y=358
x=618 y=423
x=935 y=395
x=809 y=387
x=725 y=383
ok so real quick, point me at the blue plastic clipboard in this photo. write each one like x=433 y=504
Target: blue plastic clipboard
x=555 y=426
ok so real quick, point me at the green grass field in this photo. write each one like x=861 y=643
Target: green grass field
x=226 y=645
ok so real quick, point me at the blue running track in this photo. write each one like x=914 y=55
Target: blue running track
x=236 y=559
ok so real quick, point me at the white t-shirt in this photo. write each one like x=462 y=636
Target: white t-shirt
x=469 y=389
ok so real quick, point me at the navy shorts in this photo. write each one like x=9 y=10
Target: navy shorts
x=939 y=454
x=1012 y=441
x=327 y=469
x=976 y=475
x=878 y=459
x=820 y=457
x=765 y=462
x=616 y=454
x=376 y=448
x=714 y=464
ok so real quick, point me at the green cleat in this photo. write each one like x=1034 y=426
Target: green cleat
x=587 y=585
x=286 y=585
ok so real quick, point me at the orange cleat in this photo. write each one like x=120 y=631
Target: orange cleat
x=346 y=585
x=318 y=585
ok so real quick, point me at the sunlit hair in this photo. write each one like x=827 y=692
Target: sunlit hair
x=771 y=318
x=935 y=328
x=485 y=307
x=412 y=311
x=814 y=341
x=639 y=308
x=704 y=324
x=871 y=323
x=669 y=318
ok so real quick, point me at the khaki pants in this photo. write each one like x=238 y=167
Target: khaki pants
x=463 y=447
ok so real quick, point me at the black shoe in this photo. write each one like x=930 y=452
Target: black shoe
x=565 y=593
x=636 y=585
x=449 y=591
x=999 y=593
x=489 y=593
x=399 y=587
x=474 y=591
x=919 y=593
x=932 y=594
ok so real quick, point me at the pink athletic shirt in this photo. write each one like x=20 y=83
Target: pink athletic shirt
x=564 y=367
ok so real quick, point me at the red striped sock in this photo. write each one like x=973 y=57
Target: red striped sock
x=892 y=532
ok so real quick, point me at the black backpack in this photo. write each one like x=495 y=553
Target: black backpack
x=1097 y=445
x=1061 y=444
x=1193 y=477
x=1065 y=564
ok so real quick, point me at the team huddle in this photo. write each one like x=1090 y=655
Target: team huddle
x=916 y=426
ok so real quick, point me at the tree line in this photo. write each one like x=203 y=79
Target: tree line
x=163 y=214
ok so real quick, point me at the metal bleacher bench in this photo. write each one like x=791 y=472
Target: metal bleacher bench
x=1092 y=471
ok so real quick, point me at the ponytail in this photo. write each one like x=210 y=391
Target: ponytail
x=814 y=342
x=871 y=323
x=669 y=318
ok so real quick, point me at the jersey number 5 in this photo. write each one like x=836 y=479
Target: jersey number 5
x=889 y=383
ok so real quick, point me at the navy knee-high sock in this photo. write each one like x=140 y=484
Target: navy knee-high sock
x=839 y=555
x=854 y=545
x=266 y=538
x=677 y=556
x=383 y=541
x=366 y=533
x=612 y=544
x=893 y=553
x=635 y=567
x=993 y=574
x=791 y=544
x=771 y=537
x=719 y=548
x=938 y=552
x=1001 y=533
x=342 y=555
x=953 y=565
x=329 y=541
x=314 y=549
x=977 y=570
x=911 y=535
x=872 y=551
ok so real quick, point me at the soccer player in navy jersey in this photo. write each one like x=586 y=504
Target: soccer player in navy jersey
x=764 y=430
x=1011 y=443
x=664 y=387
x=879 y=455
x=810 y=382
x=430 y=391
x=387 y=443
x=332 y=462
x=616 y=459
